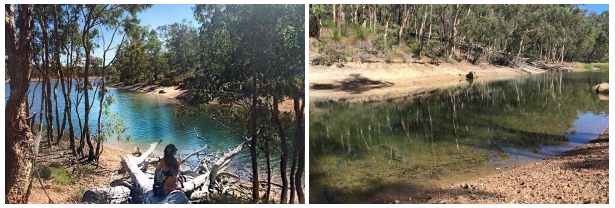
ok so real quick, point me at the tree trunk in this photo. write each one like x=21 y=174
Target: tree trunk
x=355 y=18
x=386 y=31
x=254 y=140
x=430 y=22
x=58 y=68
x=403 y=24
x=454 y=35
x=20 y=147
x=335 y=16
x=267 y=158
x=299 y=142
x=46 y=79
x=85 y=134
x=293 y=166
x=284 y=158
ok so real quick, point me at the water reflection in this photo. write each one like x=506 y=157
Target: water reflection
x=356 y=147
x=149 y=119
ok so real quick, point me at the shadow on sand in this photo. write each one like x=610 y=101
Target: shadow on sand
x=355 y=84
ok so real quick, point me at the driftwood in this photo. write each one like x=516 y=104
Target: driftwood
x=142 y=183
x=108 y=195
x=197 y=134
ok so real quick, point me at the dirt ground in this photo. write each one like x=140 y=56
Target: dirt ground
x=87 y=176
x=378 y=80
x=577 y=176
x=381 y=81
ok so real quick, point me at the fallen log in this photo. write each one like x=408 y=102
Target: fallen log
x=143 y=183
x=121 y=194
x=109 y=195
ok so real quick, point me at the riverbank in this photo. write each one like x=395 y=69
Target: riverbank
x=64 y=183
x=173 y=92
x=577 y=176
x=381 y=81
x=170 y=92
x=67 y=183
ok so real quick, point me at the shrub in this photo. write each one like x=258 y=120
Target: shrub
x=62 y=176
x=327 y=23
x=359 y=32
x=332 y=53
x=56 y=172
x=336 y=36
x=44 y=172
x=416 y=48
x=378 y=42
x=501 y=59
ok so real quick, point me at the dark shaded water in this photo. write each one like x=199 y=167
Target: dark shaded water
x=149 y=119
x=361 y=151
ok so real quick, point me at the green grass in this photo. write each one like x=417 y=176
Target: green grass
x=327 y=23
x=336 y=36
x=602 y=66
x=360 y=32
x=56 y=172
x=591 y=66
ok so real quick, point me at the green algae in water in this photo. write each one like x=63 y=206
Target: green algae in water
x=359 y=149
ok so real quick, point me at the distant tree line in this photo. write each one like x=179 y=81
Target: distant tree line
x=552 y=33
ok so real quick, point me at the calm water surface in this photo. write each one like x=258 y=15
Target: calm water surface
x=149 y=119
x=360 y=151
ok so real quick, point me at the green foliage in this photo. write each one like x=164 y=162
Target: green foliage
x=335 y=35
x=585 y=66
x=547 y=32
x=332 y=54
x=416 y=47
x=378 y=42
x=592 y=66
x=113 y=125
x=58 y=173
x=602 y=66
x=359 y=31
x=44 y=172
x=327 y=23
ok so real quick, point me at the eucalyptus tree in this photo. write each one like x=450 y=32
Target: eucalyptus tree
x=94 y=16
x=21 y=147
x=552 y=33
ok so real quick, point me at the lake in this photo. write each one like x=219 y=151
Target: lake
x=149 y=119
x=360 y=151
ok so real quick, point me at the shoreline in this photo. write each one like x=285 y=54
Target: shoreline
x=577 y=176
x=169 y=92
x=172 y=93
x=357 y=82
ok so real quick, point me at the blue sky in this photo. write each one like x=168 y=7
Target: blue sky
x=598 y=8
x=157 y=15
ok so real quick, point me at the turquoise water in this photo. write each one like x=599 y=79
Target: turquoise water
x=361 y=151
x=149 y=119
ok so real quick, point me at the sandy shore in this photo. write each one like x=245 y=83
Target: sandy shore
x=380 y=81
x=577 y=176
x=171 y=92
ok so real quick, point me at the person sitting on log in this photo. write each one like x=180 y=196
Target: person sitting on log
x=167 y=171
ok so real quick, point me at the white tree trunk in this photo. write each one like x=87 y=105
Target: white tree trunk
x=143 y=183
